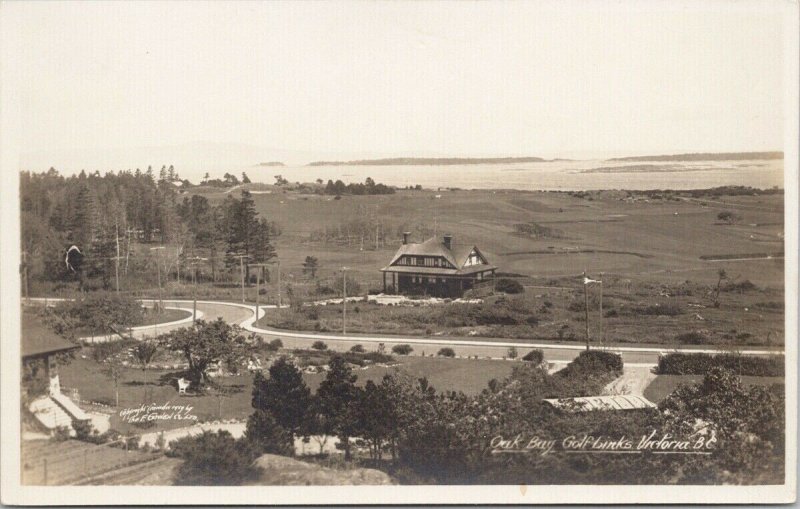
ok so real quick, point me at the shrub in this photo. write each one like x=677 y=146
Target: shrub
x=692 y=338
x=103 y=351
x=512 y=353
x=214 y=459
x=741 y=287
x=668 y=309
x=701 y=363
x=319 y=345
x=402 y=349
x=594 y=362
x=276 y=344
x=357 y=349
x=446 y=352
x=508 y=286
x=534 y=356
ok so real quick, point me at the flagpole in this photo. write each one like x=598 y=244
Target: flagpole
x=586 y=307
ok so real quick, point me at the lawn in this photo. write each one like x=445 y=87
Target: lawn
x=663 y=385
x=93 y=384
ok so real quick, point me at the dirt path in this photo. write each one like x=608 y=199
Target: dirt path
x=634 y=381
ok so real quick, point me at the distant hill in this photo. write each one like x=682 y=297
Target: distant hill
x=724 y=156
x=430 y=161
x=271 y=163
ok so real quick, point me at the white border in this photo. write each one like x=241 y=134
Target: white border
x=12 y=493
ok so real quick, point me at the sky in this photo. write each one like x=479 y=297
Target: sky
x=371 y=79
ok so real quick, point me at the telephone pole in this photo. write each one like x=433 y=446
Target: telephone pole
x=586 y=307
x=344 y=300
x=158 y=266
x=602 y=335
x=260 y=268
x=241 y=258
x=116 y=260
x=193 y=262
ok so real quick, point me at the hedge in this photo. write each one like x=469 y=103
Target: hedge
x=701 y=363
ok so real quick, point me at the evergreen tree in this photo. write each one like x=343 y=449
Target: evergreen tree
x=245 y=179
x=284 y=395
x=337 y=399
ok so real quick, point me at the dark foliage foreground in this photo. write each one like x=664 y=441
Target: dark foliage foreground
x=421 y=436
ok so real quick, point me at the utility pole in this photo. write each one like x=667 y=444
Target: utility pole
x=586 y=306
x=602 y=336
x=259 y=267
x=116 y=260
x=279 y=284
x=241 y=258
x=158 y=266
x=194 y=261
x=344 y=301
x=25 y=274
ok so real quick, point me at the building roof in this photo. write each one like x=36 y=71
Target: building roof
x=457 y=255
x=37 y=340
x=437 y=271
x=589 y=403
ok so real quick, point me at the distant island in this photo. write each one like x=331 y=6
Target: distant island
x=729 y=156
x=271 y=163
x=430 y=161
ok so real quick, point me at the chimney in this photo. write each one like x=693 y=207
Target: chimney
x=448 y=241
x=405 y=237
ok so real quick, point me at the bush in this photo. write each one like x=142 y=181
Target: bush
x=357 y=349
x=534 y=356
x=104 y=351
x=508 y=286
x=276 y=344
x=692 y=338
x=741 y=287
x=402 y=349
x=446 y=352
x=593 y=362
x=319 y=345
x=702 y=363
x=668 y=309
x=214 y=459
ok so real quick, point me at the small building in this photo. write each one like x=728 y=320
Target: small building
x=591 y=403
x=438 y=268
x=41 y=385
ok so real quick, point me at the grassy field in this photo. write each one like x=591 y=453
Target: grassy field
x=93 y=384
x=663 y=385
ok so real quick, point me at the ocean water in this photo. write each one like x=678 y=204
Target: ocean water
x=546 y=176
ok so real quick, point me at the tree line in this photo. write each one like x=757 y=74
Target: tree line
x=113 y=218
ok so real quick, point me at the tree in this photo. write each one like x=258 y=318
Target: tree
x=245 y=179
x=375 y=414
x=446 y=352
x=267 y=436
x=357 y=349
x=337 y=399
x=512 y=353
x=310 y=266
x=402 y=349
x=205 y=343
x=145 y=352
x=284 y=395
x=214 y=459
x=206 y=178
x=729 y=217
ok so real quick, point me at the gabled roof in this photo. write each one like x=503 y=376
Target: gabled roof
x=457 y=254
x=37 y=340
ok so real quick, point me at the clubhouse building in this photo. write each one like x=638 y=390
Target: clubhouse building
x=436 y=267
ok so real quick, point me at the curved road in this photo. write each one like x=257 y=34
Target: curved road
x=244 y=315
